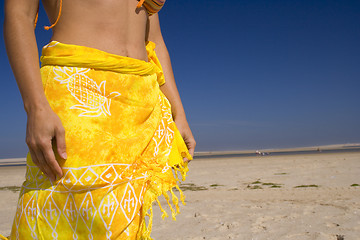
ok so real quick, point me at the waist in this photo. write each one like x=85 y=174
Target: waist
x=61 y=54
x=108 y=38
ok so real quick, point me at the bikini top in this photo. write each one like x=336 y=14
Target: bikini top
x=151 y=6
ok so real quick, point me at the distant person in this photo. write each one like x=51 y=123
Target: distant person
x=101 y=116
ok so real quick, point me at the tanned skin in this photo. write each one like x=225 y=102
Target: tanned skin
x=114 y=26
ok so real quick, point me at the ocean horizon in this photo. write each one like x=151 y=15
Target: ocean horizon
x=332 y=148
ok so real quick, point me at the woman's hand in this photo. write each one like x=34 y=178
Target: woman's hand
x=43 y=124
x=187 y=135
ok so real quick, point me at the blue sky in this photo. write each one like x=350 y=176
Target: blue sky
x=251 y=74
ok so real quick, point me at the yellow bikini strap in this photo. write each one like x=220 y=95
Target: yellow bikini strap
x=140 y=3
x=57 y=19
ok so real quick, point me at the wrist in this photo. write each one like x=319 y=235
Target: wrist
x=31 y=107
x=178 y=114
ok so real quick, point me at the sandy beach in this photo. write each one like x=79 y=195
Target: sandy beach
x=297 y=197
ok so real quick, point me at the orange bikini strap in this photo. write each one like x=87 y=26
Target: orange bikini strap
x=57 y=19
x=140 y=3
x=37 y=15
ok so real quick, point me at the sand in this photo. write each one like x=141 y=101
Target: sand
x=305 y=197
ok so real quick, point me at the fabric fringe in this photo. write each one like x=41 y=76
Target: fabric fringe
x=3 y=238
x=145 y=231
x=179 y=150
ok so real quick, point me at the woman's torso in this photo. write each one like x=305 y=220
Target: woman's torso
x=114 y=26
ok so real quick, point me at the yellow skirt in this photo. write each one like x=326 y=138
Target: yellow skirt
x=123 y=147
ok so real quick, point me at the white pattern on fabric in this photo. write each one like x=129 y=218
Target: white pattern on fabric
x=164 y=133
x=31 y=214
x=91 y=96
x=51 y=213
x=87 y=211
x=71 y=214
x=71 y=183
x=107 y=210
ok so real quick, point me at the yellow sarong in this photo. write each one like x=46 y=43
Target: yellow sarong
x=123 y=148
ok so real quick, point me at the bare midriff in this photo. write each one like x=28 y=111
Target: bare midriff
x=113 y=26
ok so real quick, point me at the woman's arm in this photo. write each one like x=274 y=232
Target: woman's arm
x=169 y=87
x=42 y=123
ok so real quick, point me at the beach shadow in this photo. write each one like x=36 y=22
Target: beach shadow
x=306 y=186
x=192 y=187
x=11 y=188
x=260 y=185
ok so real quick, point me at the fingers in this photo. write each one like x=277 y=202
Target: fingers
x=60 y=142
x=39 y=161
x=43 y=157
x=191 y=148
x=51 y=161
